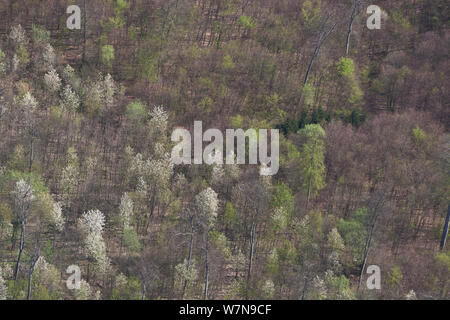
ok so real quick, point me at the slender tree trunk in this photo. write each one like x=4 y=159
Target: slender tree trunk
x=309 y=194
x=83 y=59
x=311 y=62
x=305 y=287
x=144 y=291
x=250 y=263
x=205 y=293
x=367 y=249
x=30 y=276
x=350 y=27
x=22 y=240
x=191 y=244
x=445 y=231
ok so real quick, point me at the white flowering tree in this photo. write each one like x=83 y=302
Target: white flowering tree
x=68 y=184
x=48 y=276
x=18 y=35
x=52 y=80
x=92 y=224
x=153 y=177
x=70 y=101
x=23 y=197
x=206 y=204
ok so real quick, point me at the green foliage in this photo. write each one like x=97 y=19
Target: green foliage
x=345 y=67
x=339 y=288
x=136 y=111
x=310 y=12
x=126 y=288
x=308 y=93
x=23 y=55
x=131 y=240
x=120 y=6
x=220 y=242
x=312 y=159
x=17 y=290
x=237 y=121
x=394 y=277
x=346 y=70
x=419 y=136
x=246 y=22
x=39 y=34
x=282 y=198
x=230 y=216
x=107 y=55
x=354 y=233
x=227 y=63
x=206 y=104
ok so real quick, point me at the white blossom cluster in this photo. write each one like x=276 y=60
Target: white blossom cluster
x=49 y=56
x=68 y=182
x=126 y=210
x=15 y=62
x=92 y=223
x=57 y=217
x=217 y=174
x=207 y=203
x=84 y=293
x=28 y=102
x=335 y=240
x=101 y=92
x=182 y=273
x=238 y=260
x=120 y=281
x=18 y=35
x=68 y=74
x=142 y=187
x=157 y=170
x=160 y=170
x=46 y=274
x=280 y=218
x=52 y=80
x=23 y=194
x=411 y=295
x=70 y=100
x=109 y=90
x=158 y=119
x=319 y=288
x=268 y=288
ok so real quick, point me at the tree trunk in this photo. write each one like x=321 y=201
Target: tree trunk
x=350 y=27
x=250 y=263
x=191 y=244
x=205 y=293
x=83 y=58
x=367 y=249
x=30 y=276
x=305 y=287
x=144 y=291
x=22 y=240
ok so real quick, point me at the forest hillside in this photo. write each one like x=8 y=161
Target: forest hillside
x=89 y=101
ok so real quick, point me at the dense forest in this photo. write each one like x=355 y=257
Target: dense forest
x=87 y=185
